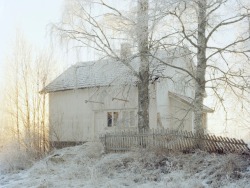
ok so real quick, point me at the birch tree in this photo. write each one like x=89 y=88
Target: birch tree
x=91 y=32
x=104 y=25
x=192 y=26
x=27 y=73
x=201 y=66
x=215 y=69
x=143 y=48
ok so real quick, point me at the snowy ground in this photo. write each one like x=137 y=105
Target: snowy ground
x=88 y=166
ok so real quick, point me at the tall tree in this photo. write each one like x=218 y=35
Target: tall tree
x=143 y=48
x=91 y=32
x=191 y=26
x=201 y=66
x=201 y=32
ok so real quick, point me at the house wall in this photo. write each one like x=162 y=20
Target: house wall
x=178 y=82
x=115 y=99
x=163 y=103
x=81 y=114
x=180 y=115
x=69 y=118
x=153 y=106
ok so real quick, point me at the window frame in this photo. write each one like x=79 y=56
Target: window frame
x=122 y=118
x=112 y=118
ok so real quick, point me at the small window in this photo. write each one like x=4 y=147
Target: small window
x=124 y=119
x=115 y=116
x=112 y=118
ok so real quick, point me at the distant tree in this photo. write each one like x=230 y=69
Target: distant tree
x=27 y=73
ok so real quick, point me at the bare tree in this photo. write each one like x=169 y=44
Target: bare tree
x=193 y=27
x=103 y=30
x=28 y=72
x=143 y=48
x=85 y=27
x=200 y=33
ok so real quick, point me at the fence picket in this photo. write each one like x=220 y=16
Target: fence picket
x=169 y=139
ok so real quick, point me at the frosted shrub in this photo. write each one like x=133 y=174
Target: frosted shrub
x=13 y=158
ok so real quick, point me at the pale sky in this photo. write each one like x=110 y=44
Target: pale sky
x=31 y=17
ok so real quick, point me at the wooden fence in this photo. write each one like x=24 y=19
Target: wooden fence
x=172 y=140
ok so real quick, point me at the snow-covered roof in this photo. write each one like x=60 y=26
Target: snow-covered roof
x=107 y=72
x=188 y=101
x=90 y=74
x=98 y=73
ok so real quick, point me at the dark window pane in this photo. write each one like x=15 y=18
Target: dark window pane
x=109 y=116
x=115 y=118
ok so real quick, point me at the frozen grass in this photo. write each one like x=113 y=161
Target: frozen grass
x=13 y=159
x=88 y=166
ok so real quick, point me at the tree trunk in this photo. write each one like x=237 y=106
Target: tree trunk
x=143 y=90
x=201 y=67
x=43 y=123
x=16 y=110
x=17 y=113
x=249 y=23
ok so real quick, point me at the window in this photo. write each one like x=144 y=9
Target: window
x=123 y=118
x=112 y=118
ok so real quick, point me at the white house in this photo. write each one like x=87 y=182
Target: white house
x=90 y=98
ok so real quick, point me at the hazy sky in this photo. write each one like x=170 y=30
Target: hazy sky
x=31 y=17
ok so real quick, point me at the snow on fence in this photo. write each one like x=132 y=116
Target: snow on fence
x=170 y=139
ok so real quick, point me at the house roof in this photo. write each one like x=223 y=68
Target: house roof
x=98 y=73
x=188 y=101
x=90 y=74
x=107 y=72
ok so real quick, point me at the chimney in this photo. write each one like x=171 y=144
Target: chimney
x=125 y=50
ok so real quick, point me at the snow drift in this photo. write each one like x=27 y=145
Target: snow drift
x=88 y=166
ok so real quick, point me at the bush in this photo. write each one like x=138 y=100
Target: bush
x=12 y=158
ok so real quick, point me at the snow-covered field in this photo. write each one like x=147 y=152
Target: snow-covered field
x=88 y=166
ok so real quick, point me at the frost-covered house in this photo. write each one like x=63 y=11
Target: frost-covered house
x=90 y=98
